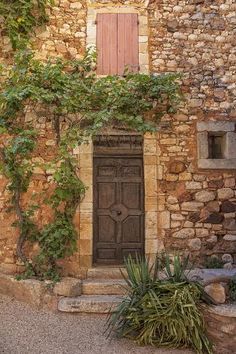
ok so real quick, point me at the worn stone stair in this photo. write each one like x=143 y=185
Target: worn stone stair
x=89 y=303
x=101 y=292
x=103 y=287
x=105 y=273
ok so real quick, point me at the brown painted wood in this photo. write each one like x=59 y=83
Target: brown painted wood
x=107 y=45
x=128 y=51
x=117 y=43
x=118 y=208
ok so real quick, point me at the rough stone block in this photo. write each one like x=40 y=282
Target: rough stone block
x=230 y=146
x=216 y=292
x=184 y=233
x=225 y=193
x=164 y=219
x=68 y=287
x=30 y=290
x=89 y=303
x=195 y=244
x=204 y=196
x=192 y=206
x=228 y=207
x=202 y=143
x=216 y=126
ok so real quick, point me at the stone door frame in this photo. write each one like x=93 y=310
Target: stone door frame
x=153 y=236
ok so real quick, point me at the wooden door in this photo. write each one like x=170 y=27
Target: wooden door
x=118 y=208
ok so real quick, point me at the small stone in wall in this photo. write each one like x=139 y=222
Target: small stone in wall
x=193 y=185
x=230 y=182
x=172 y=200
x=228 y=266
x=217 y=292
x=194 y=217
x=225 y=193
x=185 y=176
x=228 y=207
x=191 y=206
x=229 y=237
x=215 y=184
x=195 y=244
x=204 y=196
x=213 y=206
x=184 y=233
x=227 y=258
x=212 y=239
x=230 y=224
x=214 y=218
x=172 y=26
x=185 y=197
x=177 y=167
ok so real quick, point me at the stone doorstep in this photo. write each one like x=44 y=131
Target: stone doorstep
x=99 y=304
x=103 y=287
x=105 y=273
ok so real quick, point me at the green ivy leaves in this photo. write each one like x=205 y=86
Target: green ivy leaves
x=72 y=93
x=21 y=17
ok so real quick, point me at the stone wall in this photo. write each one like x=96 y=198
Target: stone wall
x=196 y=38
x=221 y=326
x=195 y=208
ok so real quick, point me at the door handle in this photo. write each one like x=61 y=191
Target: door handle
x=118 y=212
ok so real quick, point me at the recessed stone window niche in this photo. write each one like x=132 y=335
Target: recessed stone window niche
x=216 y=143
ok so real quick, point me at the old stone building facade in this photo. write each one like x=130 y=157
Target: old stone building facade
x=189 y=165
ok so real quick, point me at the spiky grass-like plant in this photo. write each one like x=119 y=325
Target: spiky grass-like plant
x=161 y=312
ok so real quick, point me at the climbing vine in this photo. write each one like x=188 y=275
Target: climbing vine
x=78 y=105
x=21 y=17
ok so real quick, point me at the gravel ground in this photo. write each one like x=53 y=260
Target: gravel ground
x=24 y=330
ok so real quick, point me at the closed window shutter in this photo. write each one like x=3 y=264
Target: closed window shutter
x=107 y=46
x=128 y=53
x=117 y=43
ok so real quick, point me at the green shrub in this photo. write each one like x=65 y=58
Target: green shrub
x=160 y=312
x=232 y=289
x=214 y=263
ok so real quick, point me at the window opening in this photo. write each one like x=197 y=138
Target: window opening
x=216 y=143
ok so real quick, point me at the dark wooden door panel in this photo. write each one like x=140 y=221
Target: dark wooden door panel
x=118 y=208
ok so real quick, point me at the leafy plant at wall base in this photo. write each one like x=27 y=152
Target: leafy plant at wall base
x=160 y=312
x=214 y=263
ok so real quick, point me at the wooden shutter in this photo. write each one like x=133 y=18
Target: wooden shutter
x=128 y=53
x=107 y=44
x=117 y=43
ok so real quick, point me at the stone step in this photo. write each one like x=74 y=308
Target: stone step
x=103 y=287
x=89 y=303
x=105 y=273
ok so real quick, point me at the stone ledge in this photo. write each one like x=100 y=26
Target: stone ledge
x=29 y=290
x=41 y=294
x=221 y=327
x=216 y=164
x=226 y=310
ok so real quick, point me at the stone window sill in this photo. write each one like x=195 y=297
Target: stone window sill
x=215 y=164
